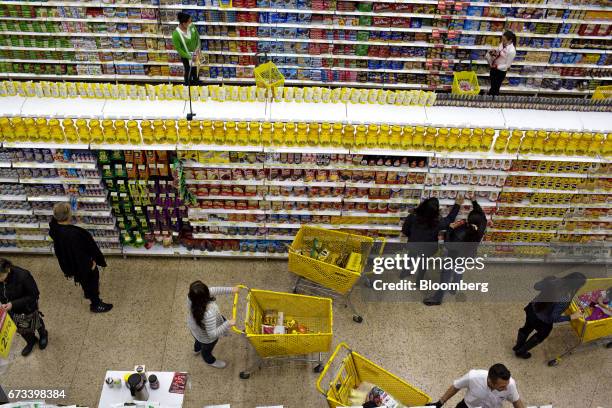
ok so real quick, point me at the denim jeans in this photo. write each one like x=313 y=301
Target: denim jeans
x=206 y=350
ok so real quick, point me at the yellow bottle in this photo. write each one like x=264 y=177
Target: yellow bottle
x=133 y=133
x=452 y=143
x=44 y=133
x=121 y=132
x=278 y=135
x=527 y=143
x=395 y=140
x=70 y=131
x=218 y=132
x=147 y=132
x=56 y=131
x=407 y=141
x=207 y=132
x=83 y=131
x=360 y=136
x=184 y=137
x=487 y=140
x=313 y=134
x=372 y=137
x=538 y=144
x=19 y=127
x=430 y=138
x=595 y=145
x=7 y=130
x=584 y=143
x=195 y=132
x=606 y=148
x=572 y=146
x=441 y=140
x=231 y=135
x=159 y=131
x=562 y=143
x=418 y=140
x=242 y=138
x=301 y=139
x=110 y=135
x=325 y=135
x=31 y=129
x=500 y=143
x=464 y=140
x=515 y=141
x=266 y=133
x=95 y=131
x=348 y=136
x=290 y=134
x=337 y=136
x=254 y=136
x=383 y=136
x=171 y=131
x=551 y=142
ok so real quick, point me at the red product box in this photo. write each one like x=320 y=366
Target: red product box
x=400 y=22
x=381 y=21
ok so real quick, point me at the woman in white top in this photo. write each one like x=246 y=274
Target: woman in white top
x=500 y=60
x=205 y=320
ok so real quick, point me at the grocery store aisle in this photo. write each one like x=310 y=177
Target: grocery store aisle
x=427 y=347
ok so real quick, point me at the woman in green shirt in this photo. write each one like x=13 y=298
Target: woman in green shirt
x=186 y=40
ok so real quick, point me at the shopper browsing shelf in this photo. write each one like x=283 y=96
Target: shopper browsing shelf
x=19 y=297
x=205 y=320
x=462 y=240
x=484 y=389
x=547 y=308
x=500 y=59
x=186 y=40
x=422 y=227
x=78 y=255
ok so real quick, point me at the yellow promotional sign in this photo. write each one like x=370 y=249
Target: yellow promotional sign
x=7 y=331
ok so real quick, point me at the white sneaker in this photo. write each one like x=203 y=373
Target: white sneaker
x=218 y=364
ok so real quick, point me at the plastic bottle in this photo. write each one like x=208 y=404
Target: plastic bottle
x=418 y=139
x=231 y=135
x=70 y=131
x=159 y=131
x=337 y=135
x=360 y=136
x=538 y=144
x=313 y=134
x=20 y=129
x=441 y=140
x=83 y=131
x=290 y=134
x=184 y=137
x=606 y=148
x=133 y=133
x=384 y=136
x=407 y=138
x=515 y=141
x=562 y=143
x=452 y=143
x=171 y=132
x=464 y=140
x=487 y=140
x=95 y=131
x=595 y=144
x=430 y=138
x=147 y=132
x=121 y=131
x=325 y=136
x=57 y=133
x=550 y=143
x=278 y=134
x=207 y=132
x=110 y=136
x=254 y=136
x=266 y=133
x=476 y=140
x=242 y=137
x=7 y=130
x=395 y=139
x=372 y=137
x=584 y=143
x=31 y=130
x=218 y=132
x=301 y=138
x=348 y=136
x=44 y=133
x=527 y=142
x=501 y=142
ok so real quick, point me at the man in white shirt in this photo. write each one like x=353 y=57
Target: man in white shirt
x=484 y=389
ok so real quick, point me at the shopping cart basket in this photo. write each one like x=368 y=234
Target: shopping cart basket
x=312 y=326
x=588 y=331
x=352 y=369
x=315 y=255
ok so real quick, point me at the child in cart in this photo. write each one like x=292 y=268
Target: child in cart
x=596 y=304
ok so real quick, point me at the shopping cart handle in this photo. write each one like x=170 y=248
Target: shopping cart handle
x=235 y=308
x=328 y=365
x=383 y=242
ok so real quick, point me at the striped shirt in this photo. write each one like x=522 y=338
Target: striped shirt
x=214 y=324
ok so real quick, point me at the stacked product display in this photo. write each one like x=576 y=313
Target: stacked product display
x=563 y=46
x=221 y=187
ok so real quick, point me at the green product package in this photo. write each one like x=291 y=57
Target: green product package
x=364 y=7
x=361 y=50
x=363 y=35
x=365 y=20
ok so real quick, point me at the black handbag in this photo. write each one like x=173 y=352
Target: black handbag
x=28 y=322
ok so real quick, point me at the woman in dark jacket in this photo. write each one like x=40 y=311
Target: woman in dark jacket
x=19 y=297
x=461 y=241
x=547 y=308
x=422 y=227
x=78 y=255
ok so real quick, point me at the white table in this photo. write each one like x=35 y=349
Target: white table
x=118 y=395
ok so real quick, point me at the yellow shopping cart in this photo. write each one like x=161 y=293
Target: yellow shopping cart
x=352 y=369
x=307 y=326
x=329 y=262
x=587 y=331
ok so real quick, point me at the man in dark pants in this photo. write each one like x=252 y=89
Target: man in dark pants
x=78 y=255
x=484 y=389
x=19 y=297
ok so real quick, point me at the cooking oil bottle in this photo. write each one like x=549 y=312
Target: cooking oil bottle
x=372 y=137
x=171 y=132
x=148 y=134
x=348 y=137
x=70 y=131
x=57 y=133
x=325 y=136
x=218 y=132
x=301 y=138
x=361 y=136
x=278 y=134
x=96 y=132
x=207 y=132
x=159 y=131
x=44 y=134
x=419 y=138
x=254 y=136
x=7 y=130
x=290 y=134
x=133 y=132
x=395 y=140
x=562 y=143
x=266 y=133
x=384 y=136
x=121 y=131
x=550 y=143
x=515 y=141
x=487 y=140
x=528 y=141
x=595 y=144
x=501 y=142
x=583 y=144
x=441 y=139
x=83 y=131
x=407 y=141
x=242 y=138
x=183 y=132
x=337 y=136
x=313 y=134
x=452 y=144
x=430 y=138
x=230 y=133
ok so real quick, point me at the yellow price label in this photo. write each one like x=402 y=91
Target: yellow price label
x=7 y=331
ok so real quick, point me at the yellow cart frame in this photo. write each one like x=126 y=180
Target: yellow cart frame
x=588 y=331
x=352 y=369
x=325 y=279
x=314 y=312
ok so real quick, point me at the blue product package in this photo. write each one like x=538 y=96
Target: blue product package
x=291 y=18
x=397 y=65
x=291 y=61
x=602 y=60
x=385 y=35
x=230 y=16
x=264 y=17
x=304 y=17
x=214 y=72
x=395 y=36
x=263 y=3
x=374 y=64
x=416 y=23
x=278 y=60
x=303 y=4
x=263 y=31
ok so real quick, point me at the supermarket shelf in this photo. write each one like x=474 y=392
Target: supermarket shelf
x=158 y=250
x=79 y=213
x=45 y=145
x=542 y=190
x=374 y=214
x=523 y=231
x=34 y=165
x=581 y=232
x=196 y=165
x=220 y=148
x=5 y=165
x=58 y=180
x=42 y=250
x=67 y=198
x=227 y=182
x=13 y=197
x=500 y=217
x=305 y=183
x=14 y=212
x=97 y=226
x=386 y=186
x=9 y=180
x=195 y=212
x=457 y=187
x=229 y=197
x=254 y=237
x=482 y=202
x=394 y=152
x=484 y=172
x=304 y=149
x=573 y=205
x=304 y=199
x=382 y=200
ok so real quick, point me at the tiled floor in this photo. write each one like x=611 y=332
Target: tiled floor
x=427 y=347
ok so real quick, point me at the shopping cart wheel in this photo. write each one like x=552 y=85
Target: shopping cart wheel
x=357 y=319
x=609 y=345
x=245 y=375
x=553 y=363
x=318 y=368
